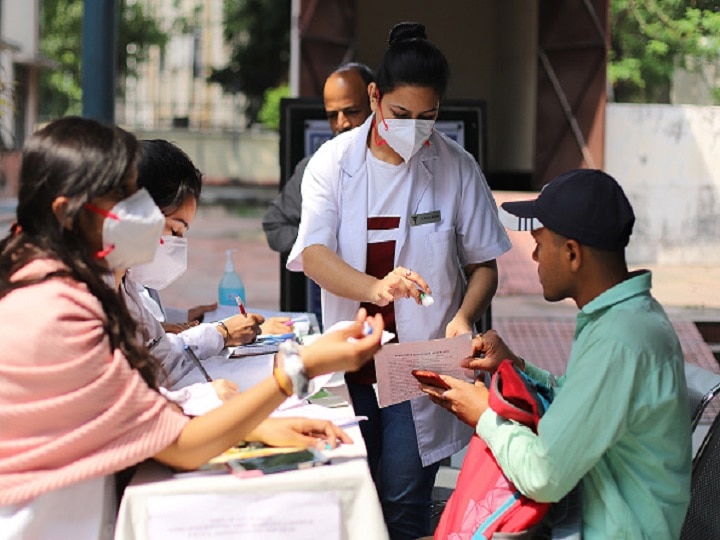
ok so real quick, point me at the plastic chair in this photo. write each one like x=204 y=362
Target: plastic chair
x=702 y=520
x=702 y=387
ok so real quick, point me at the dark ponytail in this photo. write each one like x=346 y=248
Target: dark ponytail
x=412 y=60
x=168 y=174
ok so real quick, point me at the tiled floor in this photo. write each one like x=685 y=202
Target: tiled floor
x=547 y=342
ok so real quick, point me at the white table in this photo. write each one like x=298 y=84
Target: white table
x=203 y=515
x=158 y=505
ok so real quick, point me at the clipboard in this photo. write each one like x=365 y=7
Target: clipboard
x=269 y=344
x=253 y=349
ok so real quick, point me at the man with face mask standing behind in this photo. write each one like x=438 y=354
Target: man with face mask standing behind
x=380 y=203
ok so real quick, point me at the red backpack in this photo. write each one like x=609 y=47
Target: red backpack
x=485 y=501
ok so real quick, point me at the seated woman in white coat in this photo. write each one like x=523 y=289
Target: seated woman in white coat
x=174 y=183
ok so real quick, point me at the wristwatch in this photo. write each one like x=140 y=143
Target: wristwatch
x=290 y=361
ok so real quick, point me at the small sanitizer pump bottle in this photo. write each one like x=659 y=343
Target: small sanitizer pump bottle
x=230 y=284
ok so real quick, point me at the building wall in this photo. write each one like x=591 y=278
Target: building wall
x=19 y=34
x=19 y=46
x=696 y=87
x=250 y=157
x=171 y=85
x=20 y=24
x=667 y=158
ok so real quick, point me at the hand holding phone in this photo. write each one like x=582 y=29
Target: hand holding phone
x=430 y=378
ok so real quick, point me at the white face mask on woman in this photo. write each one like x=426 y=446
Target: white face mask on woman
x=131 y=231
x=405 y=136
x=170 y=263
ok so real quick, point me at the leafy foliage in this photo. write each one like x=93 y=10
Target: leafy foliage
x=270 y=111
x=61 y=41
x=258 y=32
x=650 y=38
x=137 y=32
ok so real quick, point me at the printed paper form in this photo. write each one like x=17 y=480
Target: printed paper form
x=305 y=515
x=395 y=361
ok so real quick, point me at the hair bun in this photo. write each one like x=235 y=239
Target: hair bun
x=405 y=31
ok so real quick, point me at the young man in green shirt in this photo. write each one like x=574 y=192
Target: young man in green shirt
x=618 y=423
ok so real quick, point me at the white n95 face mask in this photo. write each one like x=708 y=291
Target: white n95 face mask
x=406 y=136
x=131 y=231
x=170 y=263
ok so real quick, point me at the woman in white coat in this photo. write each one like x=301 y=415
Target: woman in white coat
x=383 y=204
x=174 y=183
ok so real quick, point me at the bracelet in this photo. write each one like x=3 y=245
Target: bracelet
x=283 y=381
x=227 y=333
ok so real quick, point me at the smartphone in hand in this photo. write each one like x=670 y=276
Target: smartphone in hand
x=430 y=378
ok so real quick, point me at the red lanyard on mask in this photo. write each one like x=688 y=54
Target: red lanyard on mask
x=107 y=214
x=379 y=141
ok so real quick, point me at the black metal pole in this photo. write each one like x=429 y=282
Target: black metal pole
x=99 y=46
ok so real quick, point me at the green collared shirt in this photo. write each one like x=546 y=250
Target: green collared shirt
x=619 y=422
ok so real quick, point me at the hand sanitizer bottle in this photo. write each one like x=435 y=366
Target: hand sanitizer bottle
x=230 y=284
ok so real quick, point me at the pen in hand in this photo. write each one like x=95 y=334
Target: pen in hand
x=196 y=360
x=240 y=304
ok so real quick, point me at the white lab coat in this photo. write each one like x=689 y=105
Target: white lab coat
x=169 y=348
x=334 y=213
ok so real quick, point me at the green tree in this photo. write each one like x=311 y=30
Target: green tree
x=61 y=41
x=258 y=32
x=269 y=113
x=650 y=38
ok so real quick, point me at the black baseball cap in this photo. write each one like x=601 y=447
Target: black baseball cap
x=586 y=205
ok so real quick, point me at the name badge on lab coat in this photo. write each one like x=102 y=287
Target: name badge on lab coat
x=422 y=219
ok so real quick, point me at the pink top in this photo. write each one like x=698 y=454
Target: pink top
x=70 y=407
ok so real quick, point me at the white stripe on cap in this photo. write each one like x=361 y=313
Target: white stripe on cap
x=516 y=223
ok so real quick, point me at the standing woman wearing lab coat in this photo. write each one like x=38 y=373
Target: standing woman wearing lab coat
x=390 y=209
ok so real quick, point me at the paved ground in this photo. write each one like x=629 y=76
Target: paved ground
x=534 y=327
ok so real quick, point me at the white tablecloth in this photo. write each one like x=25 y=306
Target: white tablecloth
x=360 y=512
x=347 y=480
